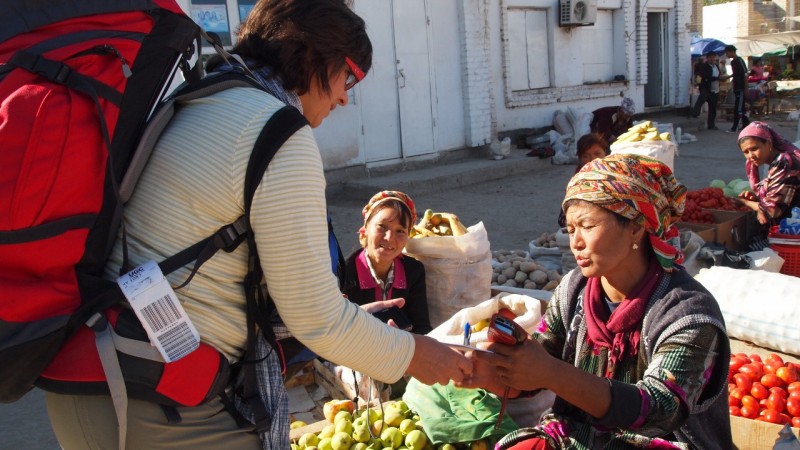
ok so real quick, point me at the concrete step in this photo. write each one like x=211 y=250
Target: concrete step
x=441 y=176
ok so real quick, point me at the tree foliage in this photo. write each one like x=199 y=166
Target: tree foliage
x=716 y=2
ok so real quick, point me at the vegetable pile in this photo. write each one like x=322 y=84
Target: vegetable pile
x=767 y=390
x=700 y=200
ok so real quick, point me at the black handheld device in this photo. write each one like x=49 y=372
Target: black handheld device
x=395 y=314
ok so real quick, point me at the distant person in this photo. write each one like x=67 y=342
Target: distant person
x=739 y=69
x=710 y=75
x=612 y=121
x=590 y=147
x=757 y=72
x=774 y=196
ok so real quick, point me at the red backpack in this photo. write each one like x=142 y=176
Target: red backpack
x=82 y=103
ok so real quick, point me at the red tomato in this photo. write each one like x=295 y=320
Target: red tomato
x=779 y=391
x=787 y=374
x=771 y=416
x=749 y=412
x=734 y=410
x=774 y=401
x=743 y=381
x=733 y=401
x=759 y=391
x=736 y=363
x=752 y=371
x=795 y=421
x=771 y=366
x=755 y=357
x=750 y=401
x=777 y=358
x=794 y=394
x=793 y=406
x=738 y=393
x=770 y=380
x=785 y=419
x=793 y=387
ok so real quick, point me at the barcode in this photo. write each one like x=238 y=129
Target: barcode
x=178 y=342
x=160 y=314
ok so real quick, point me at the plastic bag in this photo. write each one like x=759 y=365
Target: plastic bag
x=458 y=270
x=718 y=255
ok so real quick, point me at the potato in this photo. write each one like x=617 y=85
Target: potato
x=501 y=279
x=538 y=276
x=510 y=283
x=551 y=285
x=509 y=272
x=520 y=277
x=528 y=266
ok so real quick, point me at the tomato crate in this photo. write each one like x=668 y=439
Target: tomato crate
x=750 y=434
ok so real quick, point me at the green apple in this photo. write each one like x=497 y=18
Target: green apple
x=416 y=440
x=373 y=414
x=327 y=431
x=361 y=434
x=406 y=426
x=359 y=422
x=446 y=447
x=377 y=427
x=341 y=441
x=308 y=440
x=402 y=405
x=360 y=446
x=325 y=444
x=392 y=437
x=393 y=415
x=343 y=415
x=343 y=426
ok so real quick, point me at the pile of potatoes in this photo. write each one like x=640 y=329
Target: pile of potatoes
x=515 y=269
x=546 y=240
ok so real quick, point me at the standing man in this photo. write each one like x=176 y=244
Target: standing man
x=709 y=74
x=739 y=69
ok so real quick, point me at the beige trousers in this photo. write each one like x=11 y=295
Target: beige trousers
x=89 y=422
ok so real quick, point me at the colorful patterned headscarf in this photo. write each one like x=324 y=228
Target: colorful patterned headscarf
x=640 y=189
x=382 y=197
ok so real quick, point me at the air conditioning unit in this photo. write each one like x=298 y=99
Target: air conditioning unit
x=577 y=12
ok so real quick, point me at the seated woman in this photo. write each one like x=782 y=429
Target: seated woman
x=633 y=347
x=379 y=272
x=774 y=196
x=590 y=147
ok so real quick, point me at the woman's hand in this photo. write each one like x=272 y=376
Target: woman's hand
x=383 y=304
x=523 y=367
x=434 y=362
x=748 y=195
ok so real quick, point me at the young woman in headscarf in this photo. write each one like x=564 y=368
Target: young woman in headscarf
x=633 y=347
x=774 y=196
x=378 y=275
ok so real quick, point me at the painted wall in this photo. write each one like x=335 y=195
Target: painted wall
x=475 y=86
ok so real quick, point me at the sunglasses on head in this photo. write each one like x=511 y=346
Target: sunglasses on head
x=354 y=74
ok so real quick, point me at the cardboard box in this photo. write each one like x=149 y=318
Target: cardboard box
x=749 y=434
x=707 y=232
x=733 y=228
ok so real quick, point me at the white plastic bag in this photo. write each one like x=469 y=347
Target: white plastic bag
x=663 y=151
x=458 y=270
x=758 y=306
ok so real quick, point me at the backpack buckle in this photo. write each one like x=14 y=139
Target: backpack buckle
x=230 y=236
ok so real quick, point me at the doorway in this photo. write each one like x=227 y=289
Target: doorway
x=656 y=92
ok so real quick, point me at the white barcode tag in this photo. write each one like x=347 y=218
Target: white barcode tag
x=169 y=328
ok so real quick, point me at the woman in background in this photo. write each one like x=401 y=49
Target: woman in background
x=774 y=196
x=590 y=146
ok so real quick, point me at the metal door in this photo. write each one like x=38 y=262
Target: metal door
x=656 y=90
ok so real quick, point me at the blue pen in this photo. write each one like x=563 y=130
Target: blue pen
x=467 y=332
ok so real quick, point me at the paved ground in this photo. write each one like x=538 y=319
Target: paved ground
x=514 y=208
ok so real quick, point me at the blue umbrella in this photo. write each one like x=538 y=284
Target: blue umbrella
x=701 y=46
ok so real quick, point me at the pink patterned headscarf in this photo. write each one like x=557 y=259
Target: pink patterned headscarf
x=763 y=131
x=640 y=189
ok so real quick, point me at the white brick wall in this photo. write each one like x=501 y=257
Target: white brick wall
x=477 y=76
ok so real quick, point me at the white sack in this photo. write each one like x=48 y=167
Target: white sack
x=663 y=151
x=758 y=306
x=458 y=270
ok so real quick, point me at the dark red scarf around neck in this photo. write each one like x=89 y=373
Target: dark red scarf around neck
x=620 y=331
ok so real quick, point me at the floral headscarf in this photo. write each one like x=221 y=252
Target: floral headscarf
x=763 y=131
x=640 y=189
x=382 y=197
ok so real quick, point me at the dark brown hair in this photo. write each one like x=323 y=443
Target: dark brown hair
x=589 y=140
x=300 y=39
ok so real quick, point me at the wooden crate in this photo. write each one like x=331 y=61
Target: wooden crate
x=749 y=434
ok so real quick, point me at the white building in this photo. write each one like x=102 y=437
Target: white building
x=449 y=74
